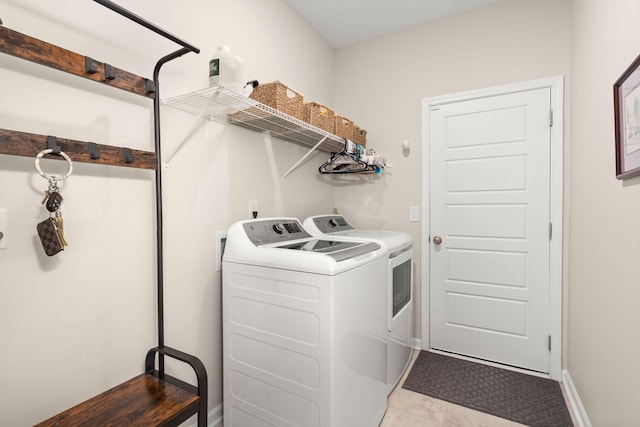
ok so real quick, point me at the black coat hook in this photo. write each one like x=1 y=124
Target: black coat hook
x=89 y=66
x=93 y=151
x=150 y=86
x=109 y=74
x=128 y=156
x=52 y=144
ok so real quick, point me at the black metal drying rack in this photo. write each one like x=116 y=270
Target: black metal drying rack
x=153 y=398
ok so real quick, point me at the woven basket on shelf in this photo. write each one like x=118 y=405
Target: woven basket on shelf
x=279 y=96
x=342 y=127
x=318 y=115
x=359 y=135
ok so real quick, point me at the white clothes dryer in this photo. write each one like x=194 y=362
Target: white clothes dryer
x=304 y=328
x=399 y=248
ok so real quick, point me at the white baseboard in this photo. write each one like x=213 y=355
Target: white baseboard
x=214 y=417
x=416 y=343
x=574 y=400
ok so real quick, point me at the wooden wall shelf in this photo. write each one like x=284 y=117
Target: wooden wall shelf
x=29 y=144
x=34 y=50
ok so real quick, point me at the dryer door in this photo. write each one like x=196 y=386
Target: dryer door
x=400 y=290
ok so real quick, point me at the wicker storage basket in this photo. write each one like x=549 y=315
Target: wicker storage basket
x=279 y=96
x=318 y=115
x=343 y=127
x=359 y=135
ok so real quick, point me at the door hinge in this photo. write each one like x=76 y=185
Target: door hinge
x=550 y=230
x=550 y=118
x=549 y=342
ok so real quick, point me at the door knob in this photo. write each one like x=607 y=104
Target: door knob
x=437 y=240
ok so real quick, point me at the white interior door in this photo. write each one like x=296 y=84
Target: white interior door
x=490 y=206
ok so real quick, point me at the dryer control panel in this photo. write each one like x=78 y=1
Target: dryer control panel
x=332 y=224
x=264 y=232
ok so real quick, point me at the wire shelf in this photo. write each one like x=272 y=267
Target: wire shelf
x=221 y=104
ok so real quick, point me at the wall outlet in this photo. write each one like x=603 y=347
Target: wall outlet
x=253 y=208
x=221 y=239
x=4 y=232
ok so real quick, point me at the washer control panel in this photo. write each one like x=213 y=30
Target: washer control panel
x=267 y=231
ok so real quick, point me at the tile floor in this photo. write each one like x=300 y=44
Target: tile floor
x=409 y=409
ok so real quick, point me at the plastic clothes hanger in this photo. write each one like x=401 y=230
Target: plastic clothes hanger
x=345 y=162
x=352 y=159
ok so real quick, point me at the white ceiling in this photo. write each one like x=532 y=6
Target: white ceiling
x=344 y=22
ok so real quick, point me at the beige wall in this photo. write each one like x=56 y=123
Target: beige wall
x=604 y=285
x=381 y=84
x=76 y=324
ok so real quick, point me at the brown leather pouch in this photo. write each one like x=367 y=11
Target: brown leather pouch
x=50 y=236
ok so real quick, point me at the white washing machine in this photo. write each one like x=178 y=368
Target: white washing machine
x=304 y=328
x=399 y=315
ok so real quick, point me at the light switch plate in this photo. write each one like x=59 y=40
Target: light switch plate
x=414 y=214
x=4 y=225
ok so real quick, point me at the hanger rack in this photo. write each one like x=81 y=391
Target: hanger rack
x=152 y=398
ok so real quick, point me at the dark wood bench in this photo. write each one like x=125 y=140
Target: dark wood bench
x=150 y=399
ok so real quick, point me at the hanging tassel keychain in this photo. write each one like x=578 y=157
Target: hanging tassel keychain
x=60 y=225
x=51 y=230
